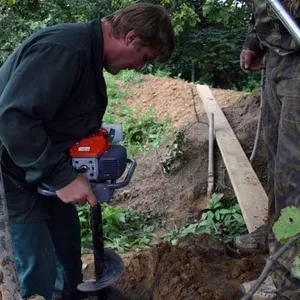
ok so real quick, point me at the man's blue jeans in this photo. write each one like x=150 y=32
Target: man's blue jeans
x=47 y=253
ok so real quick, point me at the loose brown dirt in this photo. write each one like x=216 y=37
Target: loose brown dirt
x=199 y=267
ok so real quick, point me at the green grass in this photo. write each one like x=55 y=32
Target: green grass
x=141 y=132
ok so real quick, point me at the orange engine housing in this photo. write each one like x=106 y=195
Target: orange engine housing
x=91 y=146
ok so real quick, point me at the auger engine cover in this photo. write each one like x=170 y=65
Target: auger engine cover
x=101 y=161
x=97 y=159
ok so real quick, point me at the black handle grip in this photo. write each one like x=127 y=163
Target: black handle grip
x=102 y=191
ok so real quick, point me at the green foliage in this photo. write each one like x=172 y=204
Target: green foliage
x=225 y=14
x=211 y=45
x=141 y=131
x=84 y=217
x=184 y=17
x=214 y=52
x=218 y=60
x=176 y=234
x=144 y=133
x=221 y=218
x=251 y=82
x=162 y=73
x=23 y=18
x=123 y=230
x=182 y=12
x=212 y=48
x=121 y=3
x=129 y=76
x=7 y=3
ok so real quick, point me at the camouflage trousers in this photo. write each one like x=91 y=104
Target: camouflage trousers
x=281 y=127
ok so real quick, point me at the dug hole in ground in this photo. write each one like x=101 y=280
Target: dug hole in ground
x=199 y=267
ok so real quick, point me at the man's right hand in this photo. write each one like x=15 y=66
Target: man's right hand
x=250 y=61
x=79 y=191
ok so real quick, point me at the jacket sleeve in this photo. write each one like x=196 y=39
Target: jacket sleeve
x=252 y=41
x=34 y=93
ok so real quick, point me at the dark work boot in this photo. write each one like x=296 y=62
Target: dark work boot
x=267 y=290
x=255 y=242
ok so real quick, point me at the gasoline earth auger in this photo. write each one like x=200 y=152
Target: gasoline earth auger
x=102 y=162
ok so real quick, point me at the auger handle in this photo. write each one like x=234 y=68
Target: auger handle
x=102 y=191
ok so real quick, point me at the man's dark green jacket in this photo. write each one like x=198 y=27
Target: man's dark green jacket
x=52 y=93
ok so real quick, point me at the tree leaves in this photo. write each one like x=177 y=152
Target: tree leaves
x=184 y=17
x=210 y=33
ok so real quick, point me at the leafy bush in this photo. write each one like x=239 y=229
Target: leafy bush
x=221 y=218
x=162 y=73
x=123 y=229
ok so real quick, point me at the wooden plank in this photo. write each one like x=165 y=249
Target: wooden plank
x=248 y=189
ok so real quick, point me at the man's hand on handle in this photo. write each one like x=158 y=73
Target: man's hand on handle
x=79 y=191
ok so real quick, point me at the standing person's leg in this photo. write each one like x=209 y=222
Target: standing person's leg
x=271 y=110
x=257 y=241
x=64 y=228
x=287 y=166
x=34 y=257
x=31 y=241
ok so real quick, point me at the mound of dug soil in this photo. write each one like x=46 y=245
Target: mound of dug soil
x=175 y=98
x=199 y=267
x=178 y=197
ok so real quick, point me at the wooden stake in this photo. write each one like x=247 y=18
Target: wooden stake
x=211 y=137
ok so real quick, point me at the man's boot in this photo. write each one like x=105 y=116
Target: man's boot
x=255 y=242
x=266 y=291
